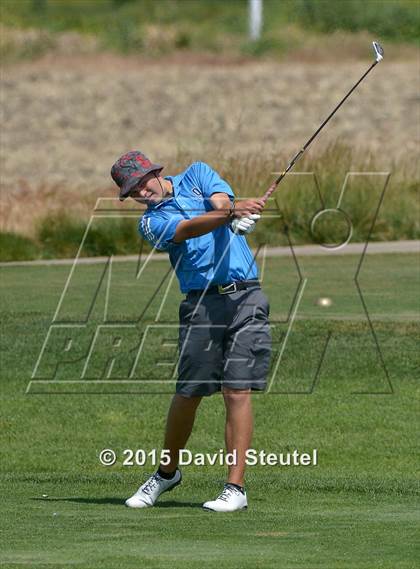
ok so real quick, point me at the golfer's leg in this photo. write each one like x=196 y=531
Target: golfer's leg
x=238 y=431
x=179 y=425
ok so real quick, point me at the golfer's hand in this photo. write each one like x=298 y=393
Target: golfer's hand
x=245 y=224
x=245 y=208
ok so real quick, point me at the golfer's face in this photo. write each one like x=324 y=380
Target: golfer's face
x=148 y=191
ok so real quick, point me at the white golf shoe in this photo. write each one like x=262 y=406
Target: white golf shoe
x=149 y=492
x=230 y=500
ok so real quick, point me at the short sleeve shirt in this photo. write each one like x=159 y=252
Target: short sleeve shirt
x=218 y=257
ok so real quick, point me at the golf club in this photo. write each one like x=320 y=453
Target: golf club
x=379 y=54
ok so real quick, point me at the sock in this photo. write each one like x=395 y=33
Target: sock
x=166 y=475
x=240 y=488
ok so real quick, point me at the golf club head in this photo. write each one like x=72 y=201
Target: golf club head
x=379 y=52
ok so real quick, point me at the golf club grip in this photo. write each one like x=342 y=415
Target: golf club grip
x=269 y=192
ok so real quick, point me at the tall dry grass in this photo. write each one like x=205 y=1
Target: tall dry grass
x=48 y=215
x=381 y=200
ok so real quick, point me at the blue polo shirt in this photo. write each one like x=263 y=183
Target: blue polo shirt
x=218 y=257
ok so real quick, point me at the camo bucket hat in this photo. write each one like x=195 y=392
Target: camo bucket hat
x=130 y=169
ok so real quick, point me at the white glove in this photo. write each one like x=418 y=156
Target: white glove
x=241 y=225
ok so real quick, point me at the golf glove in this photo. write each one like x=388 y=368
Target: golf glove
x=244 y=225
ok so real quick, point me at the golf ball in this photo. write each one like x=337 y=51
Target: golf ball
x=324 y=301
x=45 y=495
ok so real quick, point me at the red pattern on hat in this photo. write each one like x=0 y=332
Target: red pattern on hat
x=145 y=162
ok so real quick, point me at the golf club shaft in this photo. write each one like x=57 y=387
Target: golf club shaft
x=308 y=142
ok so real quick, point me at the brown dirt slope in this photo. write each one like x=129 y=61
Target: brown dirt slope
x=66 y=120
x=71 y=121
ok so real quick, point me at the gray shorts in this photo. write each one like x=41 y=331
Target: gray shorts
x=224 y=340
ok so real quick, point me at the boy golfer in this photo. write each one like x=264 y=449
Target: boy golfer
x=224 y=337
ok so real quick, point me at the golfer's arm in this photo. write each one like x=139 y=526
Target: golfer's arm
x=201 y=224
x=220 y=200
x=205 y=223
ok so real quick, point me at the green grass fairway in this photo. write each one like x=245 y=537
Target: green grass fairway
x=358 y=508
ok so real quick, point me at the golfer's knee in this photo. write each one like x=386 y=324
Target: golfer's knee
x=236 y=396
x=187 y=401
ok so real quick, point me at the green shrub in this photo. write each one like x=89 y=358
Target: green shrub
x=391 y=19
x=157 y=27
x=14 y=247
x=111 y=237
x=61 y=236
